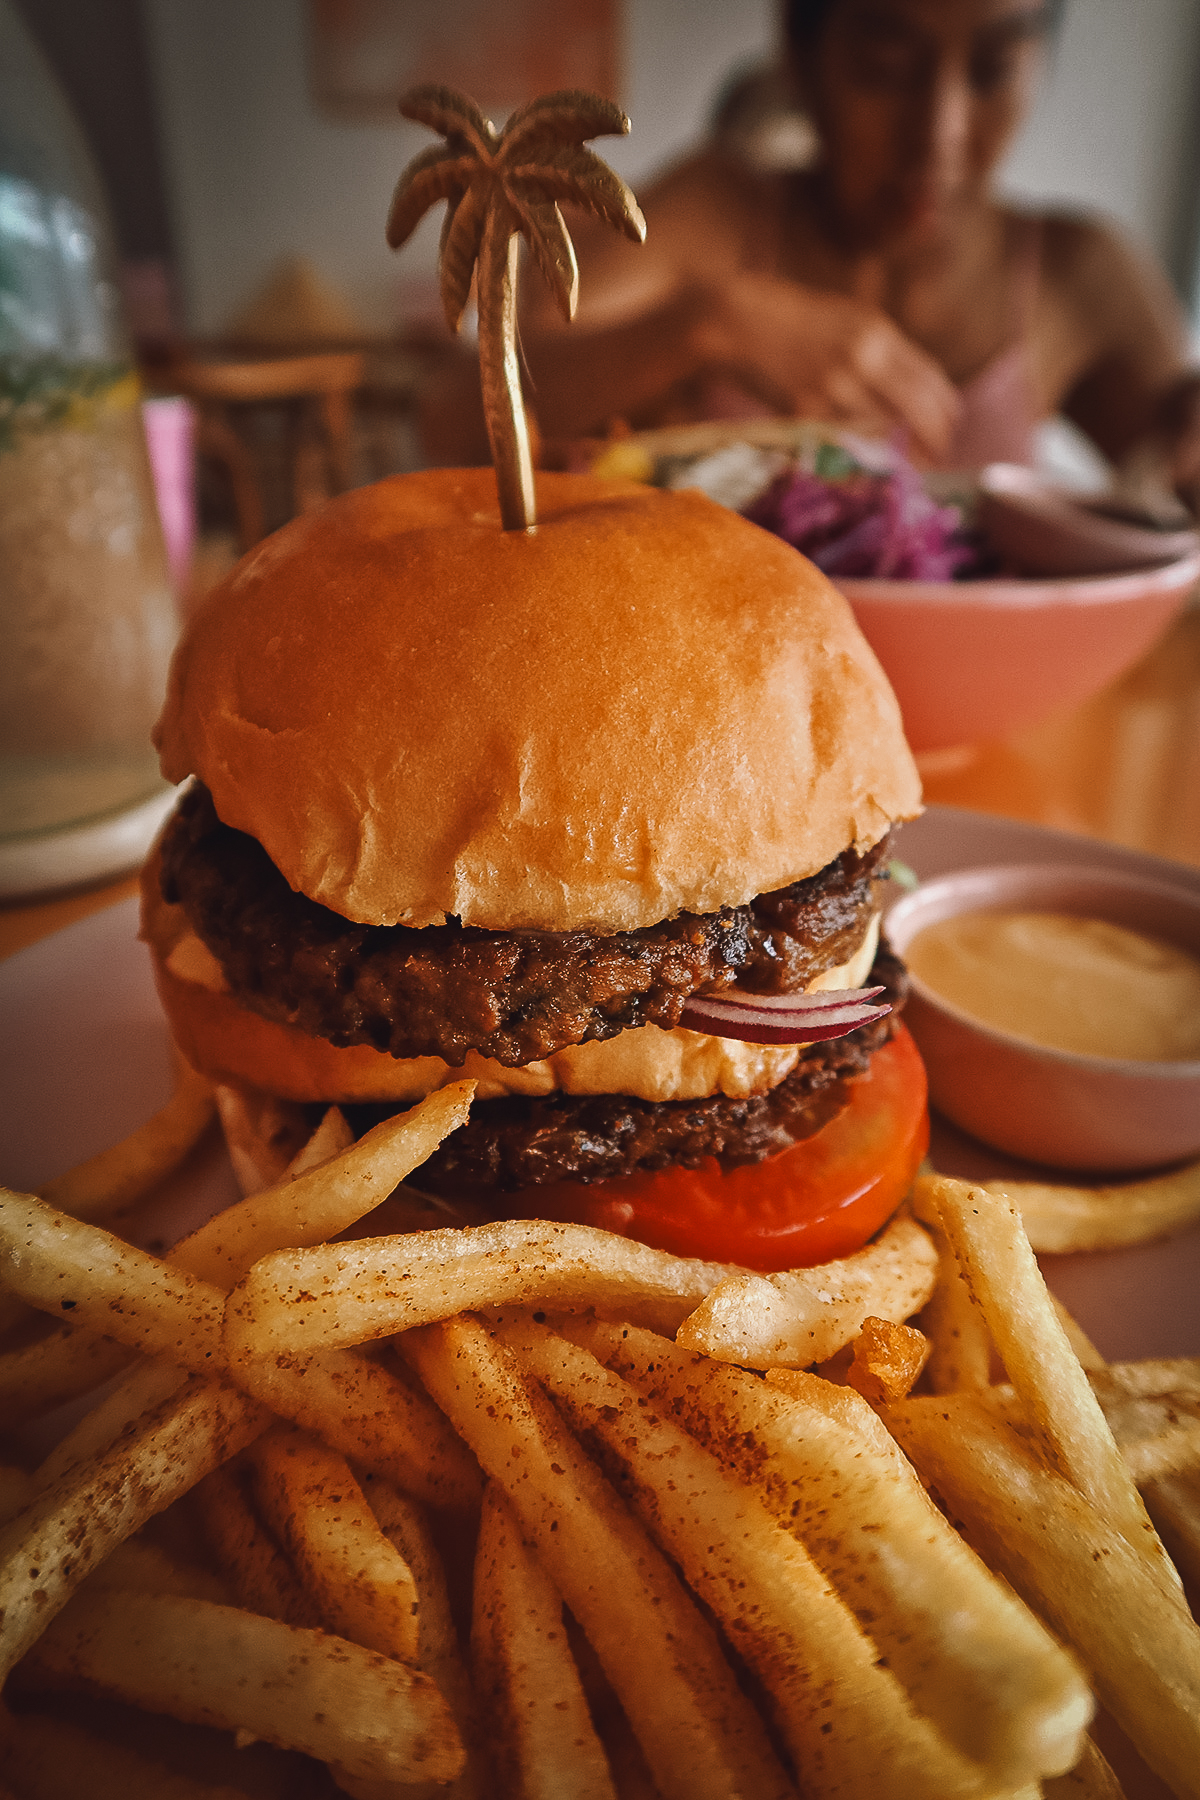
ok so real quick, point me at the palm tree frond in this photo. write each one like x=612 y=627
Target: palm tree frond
x=544 y=229
x=566 y=117
x=581 y=179
x=436 y=174
x=455 y=115
x=462 y=234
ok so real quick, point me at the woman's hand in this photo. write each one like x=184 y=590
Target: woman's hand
x=1179 y=432
x=828 y=356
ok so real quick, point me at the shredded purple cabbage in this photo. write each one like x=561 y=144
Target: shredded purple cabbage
x=866 y=524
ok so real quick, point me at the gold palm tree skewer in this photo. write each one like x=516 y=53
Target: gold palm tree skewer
x=501 y=186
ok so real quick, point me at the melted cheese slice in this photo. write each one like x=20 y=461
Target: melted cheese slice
x=647 y=1062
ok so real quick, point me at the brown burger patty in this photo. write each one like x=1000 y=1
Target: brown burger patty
x=512 y=995
x=519 y=1142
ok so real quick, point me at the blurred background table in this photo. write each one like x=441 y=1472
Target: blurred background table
x=1124 y=767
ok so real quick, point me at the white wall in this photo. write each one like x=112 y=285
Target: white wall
x=257 y=173
x=1111 y=127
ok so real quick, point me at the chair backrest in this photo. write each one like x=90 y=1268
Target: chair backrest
x=315 y=391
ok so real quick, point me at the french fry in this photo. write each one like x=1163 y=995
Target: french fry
x=262 y=1135
x=1090 y=1779
x=1173 y=1502
x=143 y=1567
x=17 y=1489
x=215 y=1665
x=438 y=1652
x=318 y=1203
x=117 y=1179
x=61 y=1264
x=972 y=1659
x=1104 y=1218
x=49 y=1757
x=805 y=1316
x=1157 y=1434
x=262 y=1578
x=50 y=1547
x=845 y=1719
x=699 y=1733
x=331 y=1137
x=1069 y=1562
x=541 y=1732
x=364 y=1411
x=360 y=1582
x=887 y=1359
x=42 y=1374
x=961 y=1345
x=339 y=1294
x=989 y=1241
x=146 y=1386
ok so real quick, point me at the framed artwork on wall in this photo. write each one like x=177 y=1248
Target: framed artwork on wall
x=364 y=53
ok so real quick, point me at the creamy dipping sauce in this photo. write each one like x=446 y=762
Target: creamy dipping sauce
x=1067 y=982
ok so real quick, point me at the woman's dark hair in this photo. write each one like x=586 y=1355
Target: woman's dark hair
x=805 y=20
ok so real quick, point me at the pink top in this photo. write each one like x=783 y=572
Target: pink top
x=1000 y=404
x=1000 y=412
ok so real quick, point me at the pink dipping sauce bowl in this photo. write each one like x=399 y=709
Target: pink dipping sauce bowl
x=1053 y=1106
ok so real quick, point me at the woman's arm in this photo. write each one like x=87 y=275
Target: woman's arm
x=690 y=303
x=1119 y=322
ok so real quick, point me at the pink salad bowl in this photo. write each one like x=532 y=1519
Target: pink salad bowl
x=975 y=660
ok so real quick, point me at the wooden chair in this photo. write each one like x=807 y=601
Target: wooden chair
x=314 y=393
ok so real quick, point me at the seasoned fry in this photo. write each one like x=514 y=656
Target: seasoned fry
x=17 y=1489
x=1005 y=1282
x=214 y=1665
x=438 y=1653
x=47 y=1550
x=887 y=1359
x=1104 y=1218
x=845 y=1719
x=1173 y=1502
x=1070 y=1563
x=117 y=1179
x=332 y=1136
x=805 y=1316
x=262 y=1578
x=338 y=1294
x=50 y=1757
x=542 y=1736
x=61 y=1264
x=146 y=1386
x=699 y=1733
x=962 y=1349
x=360 y=1582
x=1090 y=1779
x=972 y=1658
x=143 y=1567
x=262 y=1135
x=310 y=1206
x=60 y=1366
x=368 y=1414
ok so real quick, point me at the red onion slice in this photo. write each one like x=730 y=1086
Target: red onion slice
x=783 y=1018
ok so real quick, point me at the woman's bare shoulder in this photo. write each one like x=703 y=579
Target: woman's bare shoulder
x=1093 y=261
x=708 y=201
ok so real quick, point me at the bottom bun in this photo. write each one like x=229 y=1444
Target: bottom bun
x=236 y=1047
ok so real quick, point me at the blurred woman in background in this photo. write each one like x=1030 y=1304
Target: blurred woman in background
x=884 y=284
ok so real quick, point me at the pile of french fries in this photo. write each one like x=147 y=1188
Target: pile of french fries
x=532 y=1511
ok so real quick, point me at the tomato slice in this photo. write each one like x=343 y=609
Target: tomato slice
x=819 y=1200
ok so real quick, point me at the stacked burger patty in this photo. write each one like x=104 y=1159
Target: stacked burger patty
x=516 y=996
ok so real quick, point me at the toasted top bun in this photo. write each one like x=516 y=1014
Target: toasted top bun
x=644 y=706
